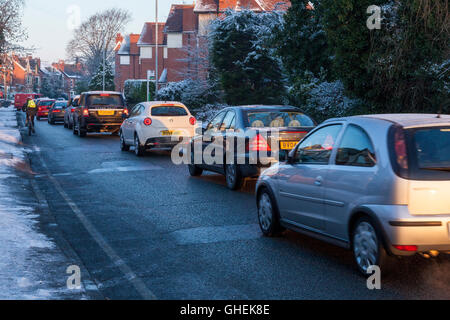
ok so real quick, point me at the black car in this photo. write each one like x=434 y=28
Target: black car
x=242 y=141
x=99 y=111
x=56 y=112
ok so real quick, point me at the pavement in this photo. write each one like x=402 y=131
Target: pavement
x=142 y=228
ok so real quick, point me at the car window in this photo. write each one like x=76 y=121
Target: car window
x=431 y=147
x=215 y=123
x=317 y=148
x=105 y=100
x=277 y=119
x=136 y=111
x=229 y=121
x=356 y=149
x=169 y=111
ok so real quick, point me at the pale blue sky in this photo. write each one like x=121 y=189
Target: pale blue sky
x=46 y=20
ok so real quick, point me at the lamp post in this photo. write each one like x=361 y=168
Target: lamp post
x=156 y=54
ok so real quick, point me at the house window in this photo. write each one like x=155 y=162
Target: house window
x=175 y=40
x=124 y=60
x=146 y=52
x=166 y=53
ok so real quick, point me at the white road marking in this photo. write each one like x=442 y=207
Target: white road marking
x=137 y=283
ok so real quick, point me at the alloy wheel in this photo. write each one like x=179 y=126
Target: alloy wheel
x=365 y=245
x=265 y=212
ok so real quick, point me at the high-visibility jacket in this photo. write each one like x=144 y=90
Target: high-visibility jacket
x=31 y=104
x=31 y=108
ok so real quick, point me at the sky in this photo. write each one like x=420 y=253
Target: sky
x=47 y=21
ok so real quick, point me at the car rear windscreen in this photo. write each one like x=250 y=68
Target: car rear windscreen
x=169 y=111
x=60 y=105
x=432 y=147
x=105 y=100
x=429 y=153
x=277 y=119
x=46 y=103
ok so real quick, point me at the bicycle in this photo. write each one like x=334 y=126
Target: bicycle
x=30 y=126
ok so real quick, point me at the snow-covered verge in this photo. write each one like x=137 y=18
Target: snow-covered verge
x=28 y=258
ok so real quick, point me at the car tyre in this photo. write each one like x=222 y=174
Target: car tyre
x=233 y=177
x=268 y=215
x=138 y=149
x=368 y=248
x=123 y=145
x=194 y=170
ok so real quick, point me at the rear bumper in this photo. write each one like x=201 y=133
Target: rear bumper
x=42 y=114
x=103 y=127
x=401 y=228
x=165 y=142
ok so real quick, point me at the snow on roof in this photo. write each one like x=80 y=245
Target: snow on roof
x=205 y=6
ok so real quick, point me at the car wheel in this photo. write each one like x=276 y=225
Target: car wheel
x=368 y=248
x=194 y=170
x=123 y=145
x=74 y=129
x=268 y=217
x=138 y=149
x=233 y=177
x=81 y=133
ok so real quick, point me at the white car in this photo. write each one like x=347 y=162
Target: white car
x=156 y=125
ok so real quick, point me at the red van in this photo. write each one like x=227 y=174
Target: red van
x=21 y=98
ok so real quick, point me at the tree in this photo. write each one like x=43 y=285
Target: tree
x=96 y=36
x=302 y=41
x=82 y=85
x=135 y=91
x=403 y=67
x=96 y=83
x=243 y=59
x=11 y=31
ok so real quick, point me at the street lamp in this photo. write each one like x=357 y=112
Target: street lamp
x=156 y=54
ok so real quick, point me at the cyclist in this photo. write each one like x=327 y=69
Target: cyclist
x=31 y=110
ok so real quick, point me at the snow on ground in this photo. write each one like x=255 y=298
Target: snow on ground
x=26 y=256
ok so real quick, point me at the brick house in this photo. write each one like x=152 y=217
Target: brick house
x=26 y=76
x=72 y=73
x=136 y=55
x=182 y=50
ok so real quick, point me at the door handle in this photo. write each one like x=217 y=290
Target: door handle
x=319 y=181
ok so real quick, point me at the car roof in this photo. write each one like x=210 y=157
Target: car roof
x=404 y=119
x=265 y=107
x=102 y=92
x=158 y=103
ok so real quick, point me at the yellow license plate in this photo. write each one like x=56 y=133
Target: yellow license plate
x=170 y=133
x=106 y=112
x=288 y=145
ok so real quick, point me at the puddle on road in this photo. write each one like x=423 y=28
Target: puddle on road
x=205 y=235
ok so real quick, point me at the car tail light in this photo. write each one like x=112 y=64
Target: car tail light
x=148 y=121
x=400 y=149
x=56 y=111
x=72 y=110
x=125 y=112
x=406 y=248
x=85 y=113
x=192 y=121
x=259 y=143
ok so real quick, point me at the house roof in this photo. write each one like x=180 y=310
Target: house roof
x=148 y=34
x=209 y=6
x=181 y=18
x=129 y=44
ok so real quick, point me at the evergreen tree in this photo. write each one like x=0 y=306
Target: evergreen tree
x=96 y=83
x=243 y=59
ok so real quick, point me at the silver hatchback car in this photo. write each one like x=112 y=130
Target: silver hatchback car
x=378 y=184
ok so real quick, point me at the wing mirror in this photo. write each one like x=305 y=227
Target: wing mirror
x=291 y=156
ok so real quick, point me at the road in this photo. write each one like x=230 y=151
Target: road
x=143 y=229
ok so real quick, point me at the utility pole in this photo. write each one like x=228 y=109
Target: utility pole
x=104 y=63
x=156 y=54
